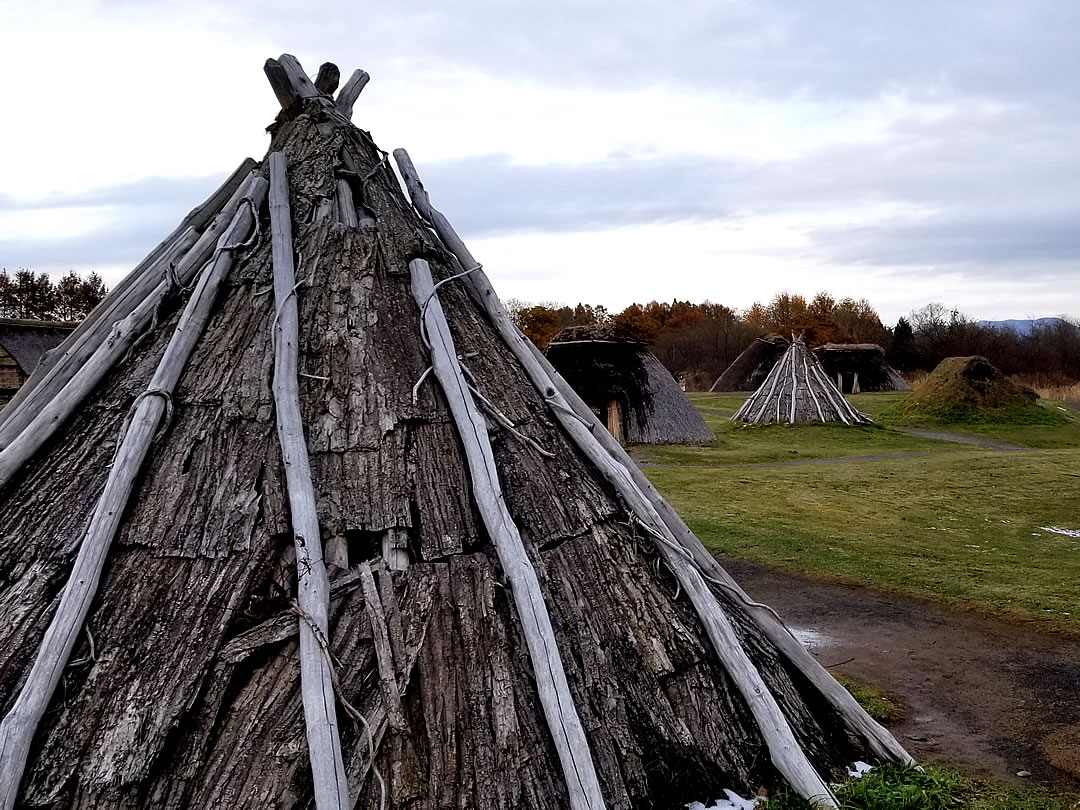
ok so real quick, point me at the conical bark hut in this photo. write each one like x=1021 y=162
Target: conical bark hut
x=299 y=519
x=798 y=390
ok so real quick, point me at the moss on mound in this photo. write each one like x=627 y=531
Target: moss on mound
x=970 y=390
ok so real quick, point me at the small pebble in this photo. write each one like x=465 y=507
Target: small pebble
x=1023 y=774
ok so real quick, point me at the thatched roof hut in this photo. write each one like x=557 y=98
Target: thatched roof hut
x=627 y=387
x=311 y=524
x=22 y=345
x=798 y=390
x=748 y=371
x=859 y=367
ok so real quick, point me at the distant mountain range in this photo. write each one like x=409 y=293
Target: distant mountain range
x=1019 y=325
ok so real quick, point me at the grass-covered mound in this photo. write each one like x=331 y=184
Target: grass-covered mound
x=970 y=390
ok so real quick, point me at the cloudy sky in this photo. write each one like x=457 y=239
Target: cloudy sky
x=592 y=150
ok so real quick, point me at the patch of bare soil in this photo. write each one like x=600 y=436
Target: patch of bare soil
x=992 y=697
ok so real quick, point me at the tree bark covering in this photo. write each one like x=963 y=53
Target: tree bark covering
x=191 y=698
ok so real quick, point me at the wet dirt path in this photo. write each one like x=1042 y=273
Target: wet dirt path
x=990 y=696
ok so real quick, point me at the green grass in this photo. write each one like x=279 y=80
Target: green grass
x=897 y=787
x=876 y=703
x=1059 y=428
x=963 y=525
x=756 y=444
x=1049 y=425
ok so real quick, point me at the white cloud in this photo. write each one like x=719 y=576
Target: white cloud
x=902 y=152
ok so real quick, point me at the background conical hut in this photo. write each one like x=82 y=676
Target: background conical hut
x=303 y=527
x=752 y=366
x=627 y=387
x=798 y=390
x=858 y=367
x=972 y=389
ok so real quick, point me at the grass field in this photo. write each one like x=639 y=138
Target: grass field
x=960 y=524
x=899 y=787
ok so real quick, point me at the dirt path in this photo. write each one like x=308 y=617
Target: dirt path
x=959 y=438
x=992 y=697
x=641 y=462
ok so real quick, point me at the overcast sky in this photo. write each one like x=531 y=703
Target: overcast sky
x=605 y=152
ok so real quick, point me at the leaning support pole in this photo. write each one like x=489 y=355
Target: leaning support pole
x=579 y=773
x=19 y=725
x=114 y=343
x=313 y=587
x=57 y=369
x=632 y=485
x=54 y=372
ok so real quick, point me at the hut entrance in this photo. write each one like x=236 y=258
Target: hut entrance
x=614 y=420
x=848 y=381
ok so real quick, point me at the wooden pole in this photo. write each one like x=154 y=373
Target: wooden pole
x=326 y=81
x=631 y=483
x=20 y=724
x=579 y=773
x=313 y=587
x=348 y=94
x=384 y=656
x=288 y=80
x=346 y=209
x=54 y=412
x=56 y=370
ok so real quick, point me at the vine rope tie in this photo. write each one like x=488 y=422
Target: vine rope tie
x=281 y=304
x=256 y=232
x=725 y=587
x=165 y=423
x=383 y=160
x=489 y=406
x=435 y=289
x=174 y=286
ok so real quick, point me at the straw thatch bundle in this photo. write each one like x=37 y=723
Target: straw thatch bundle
x=289 y=523
x=798 y=390
x=625 y=384
x=748 y=371
x=22 y=345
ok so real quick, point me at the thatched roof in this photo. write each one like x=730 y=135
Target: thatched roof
x=752 y=366
x=26 y=340
x=798 y=390
x=861 y=366
x=287 y=525
x=602 y=367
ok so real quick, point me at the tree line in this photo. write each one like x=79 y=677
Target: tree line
x=698 y=341
x=35 y=296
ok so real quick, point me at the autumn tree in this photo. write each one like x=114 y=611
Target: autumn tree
x=539 y=323
x=634 y=324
